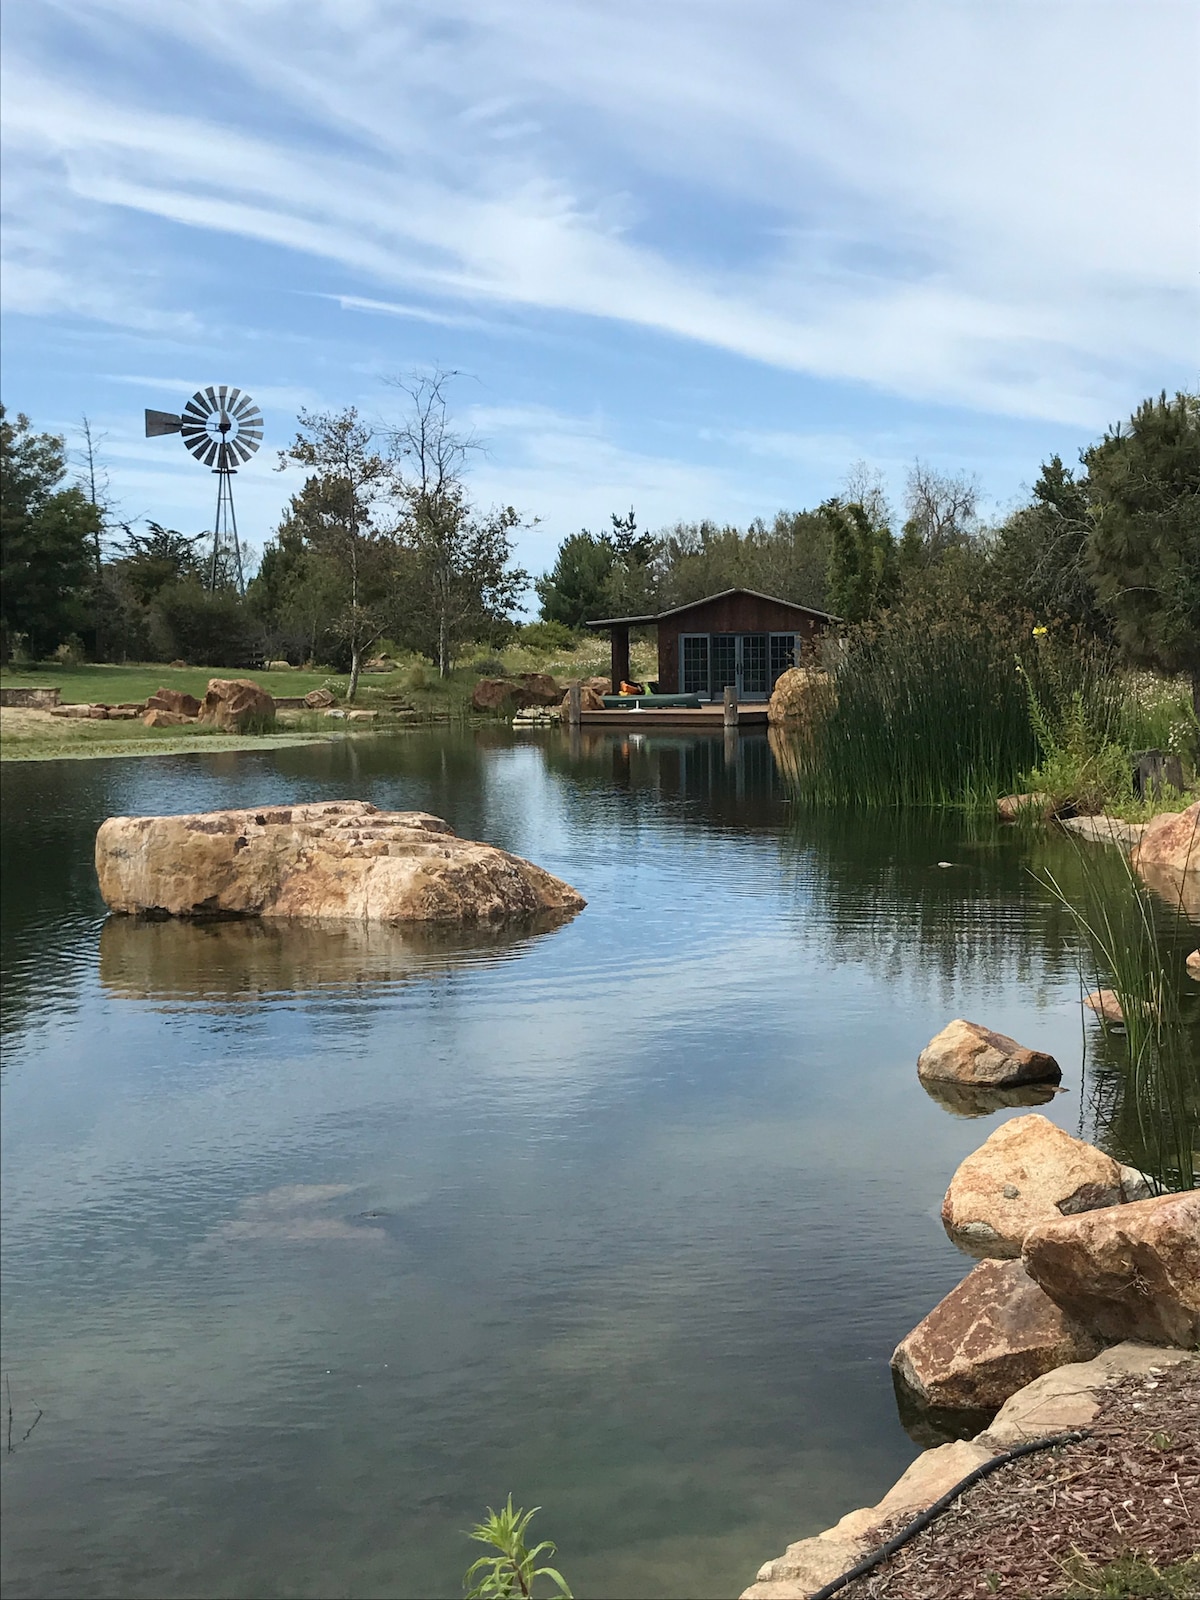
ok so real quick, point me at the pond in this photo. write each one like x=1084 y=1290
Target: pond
x=317 y=1244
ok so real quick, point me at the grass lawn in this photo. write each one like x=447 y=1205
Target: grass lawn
x=138 y=680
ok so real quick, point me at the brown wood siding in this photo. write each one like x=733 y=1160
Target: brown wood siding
x=734 y=613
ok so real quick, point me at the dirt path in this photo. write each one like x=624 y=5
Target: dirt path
x=1047 y=1526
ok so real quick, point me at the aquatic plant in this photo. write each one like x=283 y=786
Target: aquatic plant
x=924 y=708
x=1147 y=1100
x=511 y=1571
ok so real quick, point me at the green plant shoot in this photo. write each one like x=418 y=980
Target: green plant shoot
x=512 y=1570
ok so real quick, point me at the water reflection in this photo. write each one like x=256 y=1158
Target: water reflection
x=228 y=961
x=318 y=1241
x=974 y=1100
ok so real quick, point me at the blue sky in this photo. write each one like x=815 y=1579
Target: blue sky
x=699 y=256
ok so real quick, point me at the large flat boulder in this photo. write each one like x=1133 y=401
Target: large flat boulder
x=1028 y=1171
x=341 y=860
x=1167 y=858
x=539 y=689
x=1130 y=1272
x=968 y=1053
x=992 y=1334
x=233 y=704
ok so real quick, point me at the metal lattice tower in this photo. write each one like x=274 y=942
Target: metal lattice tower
x=222 y=428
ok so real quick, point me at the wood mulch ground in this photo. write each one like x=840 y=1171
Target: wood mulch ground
x=1133 y=1487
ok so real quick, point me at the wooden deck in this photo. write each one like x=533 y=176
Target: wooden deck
x=702 y=719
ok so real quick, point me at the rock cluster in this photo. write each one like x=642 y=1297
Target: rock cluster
x=340 y=860
x=526 y=689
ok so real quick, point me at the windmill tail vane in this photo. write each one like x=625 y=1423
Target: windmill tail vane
x=221 y=428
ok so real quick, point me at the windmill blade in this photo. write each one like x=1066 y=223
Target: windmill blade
x=245 y=450
x=211 y=397
x=211 y=454
x=161 y=422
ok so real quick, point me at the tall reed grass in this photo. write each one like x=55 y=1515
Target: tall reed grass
x=1148 y=1104
x=924 y=708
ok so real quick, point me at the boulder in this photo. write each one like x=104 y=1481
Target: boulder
x=495 y=694
x=792 y=697
x=1193 y=965
x=539 y=689
x=1167 y=858
x=98 y=713
x=1028 y=1171
x=599 y=686
x=123 y=713
x=1131 y=1272
x=589 y=700
x=1106 y=1003
x=173 y=700
x=994 y=1333
x=177 y=666
x=1011 y=806
x=318 y=699
x=165 y=719
x=968 y=1053
x=279 y=666
x=341 y=860
x=72 y=711
x=233 y=703
x=361 y=716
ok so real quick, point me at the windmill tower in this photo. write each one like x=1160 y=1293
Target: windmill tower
x=222 y=428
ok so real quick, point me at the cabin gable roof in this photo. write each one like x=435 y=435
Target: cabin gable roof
x=692 y=605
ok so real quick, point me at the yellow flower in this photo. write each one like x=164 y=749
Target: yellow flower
x=1040 y=632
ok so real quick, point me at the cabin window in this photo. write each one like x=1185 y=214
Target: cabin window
x=785 y=653
x=695 y=663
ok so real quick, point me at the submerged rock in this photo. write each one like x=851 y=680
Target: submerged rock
x=1028 y=1171
x=342 y=860
x=994 y=1333
x=966 y=1052
x=1132 y=1272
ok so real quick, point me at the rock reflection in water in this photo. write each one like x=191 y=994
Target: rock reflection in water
x=141 y=959
x=978 y=1100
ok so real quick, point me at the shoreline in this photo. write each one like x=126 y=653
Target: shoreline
x=208 y=744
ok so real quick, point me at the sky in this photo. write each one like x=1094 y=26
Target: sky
x=695 y=256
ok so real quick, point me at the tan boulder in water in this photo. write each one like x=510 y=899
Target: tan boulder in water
x=1028 y=1171
x=968 y=1053
x=1167 y=858
x=341 y=860
x=1131 y=1272
x=792 y=697
x=992 y=1334
x=232 y=703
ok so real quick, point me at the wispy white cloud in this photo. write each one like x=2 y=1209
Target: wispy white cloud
x=976 y=206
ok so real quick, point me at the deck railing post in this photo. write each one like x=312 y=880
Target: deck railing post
x=730 y=706
x=574 y=705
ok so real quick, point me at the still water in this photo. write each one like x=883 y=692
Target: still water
x=317 y=1244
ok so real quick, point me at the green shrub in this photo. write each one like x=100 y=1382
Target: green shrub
x=547 y=636
x=488 y=667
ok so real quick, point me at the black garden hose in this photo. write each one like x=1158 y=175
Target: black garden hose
x=924 y=1518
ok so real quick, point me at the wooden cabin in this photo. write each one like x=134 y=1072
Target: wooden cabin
x=738 y=637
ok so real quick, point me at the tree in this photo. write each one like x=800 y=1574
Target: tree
x=576 y=589
x=1040 y=560
x=459 y=582
x=1144 y=545
x=942 y=515
x=46 y=539
x=150 y=561
x=632 y=583
x=336 y=511
x=863 y=570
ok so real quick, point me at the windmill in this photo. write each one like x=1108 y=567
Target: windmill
x=222 y=426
